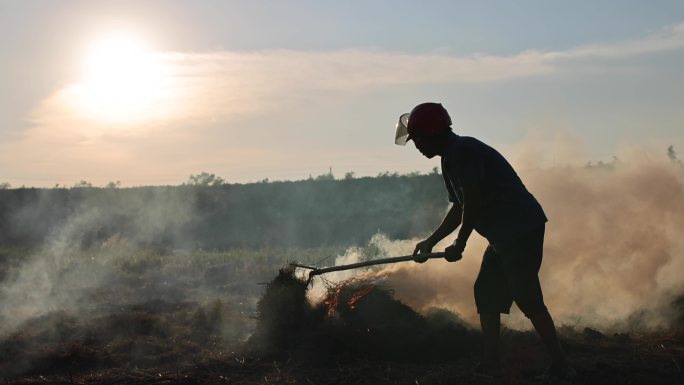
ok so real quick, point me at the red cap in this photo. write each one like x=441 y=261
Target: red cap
x=428 y=119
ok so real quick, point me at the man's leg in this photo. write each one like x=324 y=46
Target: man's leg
x=491 y=330
x=525 y=262
x=491 y=298
x=543 y=324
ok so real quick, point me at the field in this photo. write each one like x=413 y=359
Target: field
x=186 y=317
x=175 y=285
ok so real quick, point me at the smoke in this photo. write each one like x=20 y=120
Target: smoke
x=613 y=248
x=379 y=246
x=108 y=250
x=435 y=283
x=613 y=241
x=613 y=251
x=90 y=251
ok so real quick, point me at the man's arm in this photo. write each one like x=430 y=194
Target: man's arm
x=450 y=223
x=469 y=171
x=471 y=211
x=472 y=203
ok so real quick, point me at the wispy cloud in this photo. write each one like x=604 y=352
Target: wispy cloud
x=224 y=84
x=271 y=72
x=668 y=39
x=206 y=89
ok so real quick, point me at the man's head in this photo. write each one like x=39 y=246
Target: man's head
x=427 y=125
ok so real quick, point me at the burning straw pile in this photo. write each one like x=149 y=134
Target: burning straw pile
x=356 y=319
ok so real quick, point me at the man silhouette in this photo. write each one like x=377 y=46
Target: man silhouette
x=488 y=196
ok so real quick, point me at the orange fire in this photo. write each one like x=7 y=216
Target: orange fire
x=333 y=301
x=360 y=294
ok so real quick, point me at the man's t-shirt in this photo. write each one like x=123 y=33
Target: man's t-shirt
x=508 y=210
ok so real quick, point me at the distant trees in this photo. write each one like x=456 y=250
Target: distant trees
x=209 y=179
x=327 y=176
x=604 y=165
x=82 y=184
x=205 y=179
x=5 y=186
x=672 y=154
x=275 y=214
x=388 y=174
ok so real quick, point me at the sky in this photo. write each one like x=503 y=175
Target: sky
x=150 y=92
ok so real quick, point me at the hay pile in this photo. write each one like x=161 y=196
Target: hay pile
x=284 y=313
x=356 y=320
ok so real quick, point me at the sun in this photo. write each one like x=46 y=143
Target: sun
x=122 y=79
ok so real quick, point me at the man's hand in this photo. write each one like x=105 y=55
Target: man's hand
x=423 y=247
x=454 y=252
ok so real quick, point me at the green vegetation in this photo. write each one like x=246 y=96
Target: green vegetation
x=208 y=215
x=205 y=179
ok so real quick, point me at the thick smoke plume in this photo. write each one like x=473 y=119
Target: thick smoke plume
x=614 y=254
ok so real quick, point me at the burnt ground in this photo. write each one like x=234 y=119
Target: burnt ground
x=358 y=335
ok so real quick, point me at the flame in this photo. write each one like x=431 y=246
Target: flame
x=360 y=294
x=334 y=299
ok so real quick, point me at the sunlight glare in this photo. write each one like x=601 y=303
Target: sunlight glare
x=122 y=79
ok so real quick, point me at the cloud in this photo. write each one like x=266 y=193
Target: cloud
x=267 y=72
x=201 y=91
x=668 y=39
x=271 y=78
x=225 y=84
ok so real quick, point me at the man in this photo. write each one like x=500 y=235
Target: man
x=489 y=197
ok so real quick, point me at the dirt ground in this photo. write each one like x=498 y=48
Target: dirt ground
x=368 y=337
x=652 y=359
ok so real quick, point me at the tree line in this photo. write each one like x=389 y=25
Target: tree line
x=207 y=214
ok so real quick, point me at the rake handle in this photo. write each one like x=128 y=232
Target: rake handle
x=372 y=262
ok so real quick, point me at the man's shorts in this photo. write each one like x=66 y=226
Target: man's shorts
x=511 y=273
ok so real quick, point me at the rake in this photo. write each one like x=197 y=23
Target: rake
x=382 y=261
